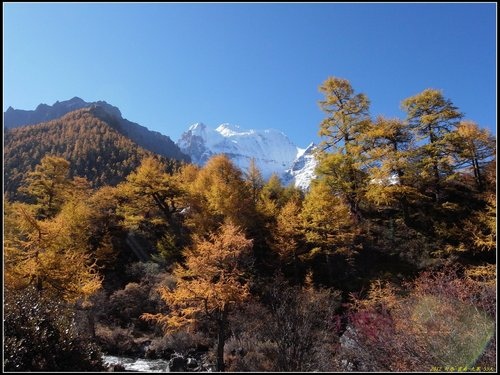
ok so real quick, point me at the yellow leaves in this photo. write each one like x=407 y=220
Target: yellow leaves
x=468 y=129
x=52 y=253
x=149 y=173
x=224 y=184
x=48 y=183
x=482 y=274
x=380 y=294
x=212 y=280
x=151 y=195
x=90 y=287
x=430 y=113
x=170 y=322
x=327 y=220
x=289 y=229
x=339 y=97
x=347 y=115
x=381 y=195
x=481 y=228
x=219 y=193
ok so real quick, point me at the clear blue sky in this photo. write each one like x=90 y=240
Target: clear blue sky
x=167 y=65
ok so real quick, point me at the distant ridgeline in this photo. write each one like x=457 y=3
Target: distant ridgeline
x=93 y=137
x=150 y=140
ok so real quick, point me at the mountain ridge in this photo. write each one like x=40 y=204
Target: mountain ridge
x=148 y=139
x=271 y=149
x=95 y=148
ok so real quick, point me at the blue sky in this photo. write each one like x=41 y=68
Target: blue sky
x=167 y=66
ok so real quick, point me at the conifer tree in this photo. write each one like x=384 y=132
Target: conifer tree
x=288 y=235
x=151 y=187
x=212 y=282
x=52 y=254
x=48 y=184
x=219 y=194
x=152 y=203
x=253 y=178
x=431 y=117
x=327 y=221
x=389 y=144
x=473 y=149
x=329 y=226
x=348 y=117
x=272 y=198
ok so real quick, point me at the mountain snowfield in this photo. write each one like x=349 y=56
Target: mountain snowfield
x=301 y=173
x=271 y=149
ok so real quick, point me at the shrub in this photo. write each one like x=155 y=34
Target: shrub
x=42 y=335
x=297 y=330
x=248 y=353
x=441 y=320
x=115 y=340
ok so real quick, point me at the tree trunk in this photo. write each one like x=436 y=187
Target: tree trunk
x=435 y=167
x=437 y=183
x=91 y=321
x=221 y=340
x=477 y=175
x=296 y=267
x=329 y=268
x=354 y=208
x=39 y=284
x=406 y=210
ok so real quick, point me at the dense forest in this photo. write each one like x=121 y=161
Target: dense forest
x=90 y=139
x=386 y=263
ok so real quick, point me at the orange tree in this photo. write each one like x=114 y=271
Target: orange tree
x=210 y=283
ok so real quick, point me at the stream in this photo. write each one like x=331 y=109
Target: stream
x=138 y=364
x=175 y=364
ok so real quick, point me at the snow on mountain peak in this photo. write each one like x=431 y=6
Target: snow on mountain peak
x=230 y=130
x=271 y=149
x=197 y=127
x=302 y=170
x=308 y=149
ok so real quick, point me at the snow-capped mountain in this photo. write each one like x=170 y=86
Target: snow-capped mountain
x=271 y=149
x=302 y=169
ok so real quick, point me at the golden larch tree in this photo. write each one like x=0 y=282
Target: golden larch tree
x=211 y=283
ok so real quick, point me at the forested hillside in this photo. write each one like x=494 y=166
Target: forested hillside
x=89 y=138
x=150 y=140
x=387 y=263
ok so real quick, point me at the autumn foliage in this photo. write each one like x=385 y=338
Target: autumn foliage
x=386 y=263
x=210 y=284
